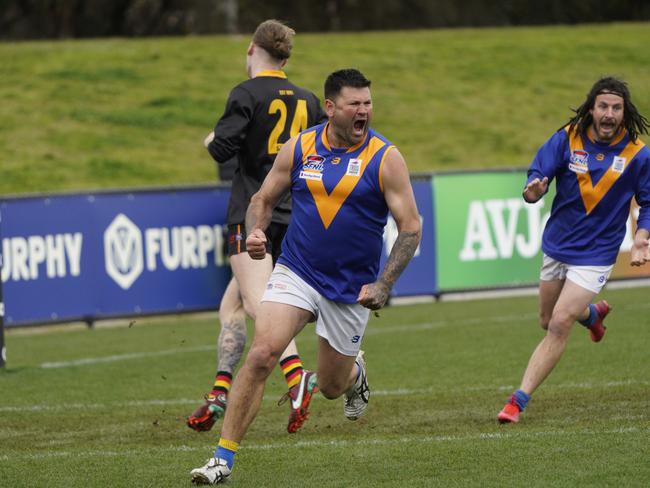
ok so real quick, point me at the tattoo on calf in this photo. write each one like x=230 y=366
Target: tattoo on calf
x=232 y=340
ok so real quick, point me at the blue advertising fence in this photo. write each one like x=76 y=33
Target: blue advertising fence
x=89 y=256
x=128 y=253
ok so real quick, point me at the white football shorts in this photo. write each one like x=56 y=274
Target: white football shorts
x=341 y=324
x=591 y=278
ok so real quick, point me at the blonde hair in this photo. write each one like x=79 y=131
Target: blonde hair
x=275 y=38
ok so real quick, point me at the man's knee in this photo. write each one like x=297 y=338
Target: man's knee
x=560 y=323
x=262 y=358
x=332 y=388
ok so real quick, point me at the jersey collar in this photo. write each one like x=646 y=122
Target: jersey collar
x=275 y=73
x=326 y=142
x=616 y=140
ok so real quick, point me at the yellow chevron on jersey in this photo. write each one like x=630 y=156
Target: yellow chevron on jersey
x=328 y=205
x=592 y=194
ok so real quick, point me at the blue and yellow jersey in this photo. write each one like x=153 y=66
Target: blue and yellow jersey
x=334 y=240
x=595 y=183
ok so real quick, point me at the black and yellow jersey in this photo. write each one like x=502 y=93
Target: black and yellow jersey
x=261 y=114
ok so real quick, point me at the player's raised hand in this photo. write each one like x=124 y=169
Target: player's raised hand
x=535 y=189
x=256 y=244
x=374 y=295
x=640 y=252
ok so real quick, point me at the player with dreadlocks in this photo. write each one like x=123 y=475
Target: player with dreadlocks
x=599 y=165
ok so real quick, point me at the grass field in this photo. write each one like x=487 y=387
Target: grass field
x=112 y=113
x=106 y=407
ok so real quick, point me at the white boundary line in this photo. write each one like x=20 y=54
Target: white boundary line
x=337 y=443
x=370 y=332
x=382 y=393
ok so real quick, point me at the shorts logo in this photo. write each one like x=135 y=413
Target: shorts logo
x=618 y=165
x=277 y=286
x=355 y=339
x=312 y=168
x=354 y=167
x=601 y=279
x=232 y=238
x=579 y=161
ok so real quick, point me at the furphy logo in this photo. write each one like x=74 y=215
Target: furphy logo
x=130 y=251
x=123 y=256
x=31 y=257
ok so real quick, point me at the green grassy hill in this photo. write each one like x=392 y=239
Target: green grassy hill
x=114 y=112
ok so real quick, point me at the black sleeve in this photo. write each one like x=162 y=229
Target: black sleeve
x=321 y=116
x=230 y=131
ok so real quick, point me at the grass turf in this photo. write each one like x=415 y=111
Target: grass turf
x=439 y=373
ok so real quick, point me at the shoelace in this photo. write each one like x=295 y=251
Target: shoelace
x=283 y=399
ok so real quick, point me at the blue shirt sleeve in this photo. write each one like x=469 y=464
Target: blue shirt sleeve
x=642 y=194
x=549 y=158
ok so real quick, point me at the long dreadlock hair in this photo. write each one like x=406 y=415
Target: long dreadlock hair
x=633 y=121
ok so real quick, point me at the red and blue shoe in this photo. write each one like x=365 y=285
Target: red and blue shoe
x=597 y=330
x=510 y=412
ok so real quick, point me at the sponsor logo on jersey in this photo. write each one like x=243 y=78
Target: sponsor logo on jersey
x=579 y=160
x=336 y=160
x=618 y=165
x=313 y=163
x=579 y=157
x=354 y=167
x=600 y=156
x=312 y=167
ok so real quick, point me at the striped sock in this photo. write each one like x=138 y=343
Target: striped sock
x=226 y=450
x=222 y=383
x=292 y=369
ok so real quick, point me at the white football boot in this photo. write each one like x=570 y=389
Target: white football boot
x=215 y=471
x=356 y=398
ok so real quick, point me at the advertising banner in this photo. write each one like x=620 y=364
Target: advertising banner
x=419 y=277
x=486 y=235
x=80 y=257
x=622 y=268
x=3 y=349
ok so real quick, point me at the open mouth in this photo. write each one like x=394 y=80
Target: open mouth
x=359 y=125
x=607 y=125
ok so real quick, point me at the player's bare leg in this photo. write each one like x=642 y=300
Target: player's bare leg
x=230 y=347
x=253 y=275
x=569 y=307
x=339 y=374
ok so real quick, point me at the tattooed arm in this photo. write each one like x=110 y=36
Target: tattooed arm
x=401 y=202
